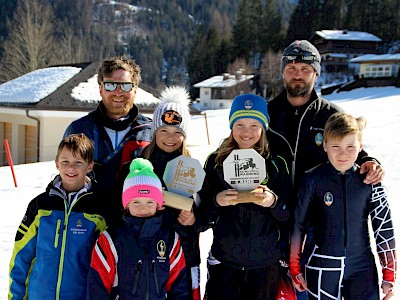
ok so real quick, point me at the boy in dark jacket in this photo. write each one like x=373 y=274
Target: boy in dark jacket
x=143 y=258
x=54 y=241
x=335 y=200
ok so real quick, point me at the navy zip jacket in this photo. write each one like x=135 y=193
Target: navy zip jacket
x=140 y=260
x=246 y=236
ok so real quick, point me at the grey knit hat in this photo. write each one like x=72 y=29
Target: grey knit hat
x=173 y=109
x=302 y=51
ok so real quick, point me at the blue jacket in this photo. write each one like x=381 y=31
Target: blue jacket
x=110 y=161
x=142 y=260
x=53 y=245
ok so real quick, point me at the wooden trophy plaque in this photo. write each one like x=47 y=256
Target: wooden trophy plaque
x=183 y=177
x=244 y=170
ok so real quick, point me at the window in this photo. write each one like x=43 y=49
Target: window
x=378 y=71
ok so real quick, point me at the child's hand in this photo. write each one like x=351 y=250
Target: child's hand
x=300 y=283
x=224 y=198
x=388 y=290
x=268 y=197
x=186 y=218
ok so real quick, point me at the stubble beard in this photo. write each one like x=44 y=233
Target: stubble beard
x=295 y=89
x=117 y=112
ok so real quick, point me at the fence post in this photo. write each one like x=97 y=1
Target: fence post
x=10 y=162
x=208 y=137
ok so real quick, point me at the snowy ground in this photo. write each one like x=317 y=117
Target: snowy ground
x=381 y=107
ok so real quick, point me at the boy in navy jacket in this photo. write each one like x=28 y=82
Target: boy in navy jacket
x=335 y=200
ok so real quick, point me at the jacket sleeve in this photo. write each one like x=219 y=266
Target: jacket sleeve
x=383 y=232
x=281 y=186
x=177 y=284
x=207 y=206
x=101 y=277
x=305 y=196
x=24 y=252
x=364 y=157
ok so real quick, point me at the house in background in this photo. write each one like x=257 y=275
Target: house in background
x=217 y=92
x=337 y=47
x=36 y=108
x=378 y=65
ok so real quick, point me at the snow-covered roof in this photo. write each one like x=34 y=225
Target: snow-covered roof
x=347 y=35
x=221 y=81
x=36 y=85
x=338 y=55
x=376 y=57
x=32 y=87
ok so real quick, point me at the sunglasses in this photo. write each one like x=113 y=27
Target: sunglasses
x=305 y=56
x=124 y=86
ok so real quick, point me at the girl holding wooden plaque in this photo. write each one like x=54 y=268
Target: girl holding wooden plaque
x=244 y=259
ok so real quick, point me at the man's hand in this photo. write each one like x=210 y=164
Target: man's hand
x=374 y=171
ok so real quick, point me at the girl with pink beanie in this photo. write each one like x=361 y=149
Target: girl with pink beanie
x=142 y=256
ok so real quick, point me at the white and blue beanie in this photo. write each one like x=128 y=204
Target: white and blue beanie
x=249 y=106
x=173 y=110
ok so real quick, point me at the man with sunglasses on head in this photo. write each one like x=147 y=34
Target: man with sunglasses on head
x=117 y=128
x=298 y=115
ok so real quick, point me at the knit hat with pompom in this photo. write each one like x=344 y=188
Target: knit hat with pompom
x=173 y=109
x=142 y=182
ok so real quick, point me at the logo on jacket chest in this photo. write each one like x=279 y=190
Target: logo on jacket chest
x=78 y=229
x=161 y=249
x=328 y=199
x=318 y=139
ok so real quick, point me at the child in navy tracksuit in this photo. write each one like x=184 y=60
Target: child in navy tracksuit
x=337 y=203
x=143 y=258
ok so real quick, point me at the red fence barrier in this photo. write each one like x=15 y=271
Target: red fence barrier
x=10 y=162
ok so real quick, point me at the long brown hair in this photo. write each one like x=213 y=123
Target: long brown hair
x=229 y=144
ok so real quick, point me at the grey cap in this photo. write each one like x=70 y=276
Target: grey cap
x=302 y=51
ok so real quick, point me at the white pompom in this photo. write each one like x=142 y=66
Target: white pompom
x=176 y=94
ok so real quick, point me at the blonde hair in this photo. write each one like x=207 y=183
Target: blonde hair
x=341 y=124
x=229 y=144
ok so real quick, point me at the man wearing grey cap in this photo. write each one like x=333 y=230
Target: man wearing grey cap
x=298 y=115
